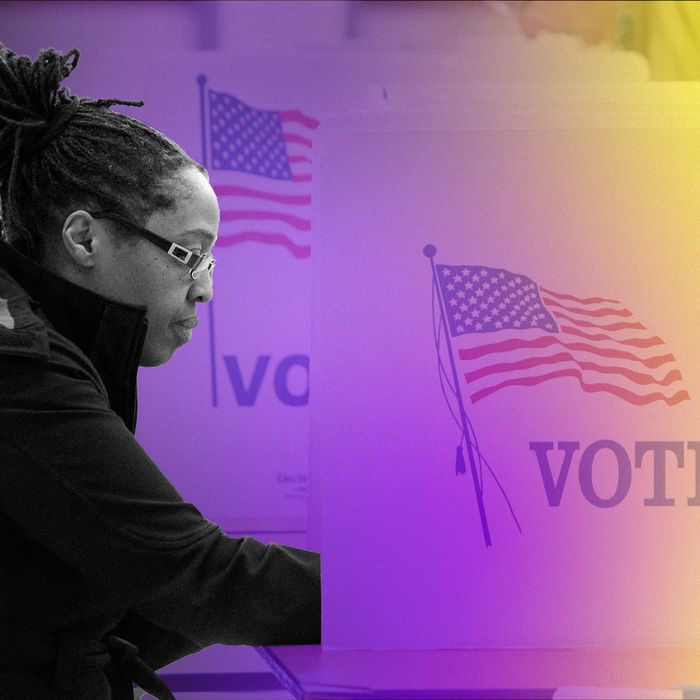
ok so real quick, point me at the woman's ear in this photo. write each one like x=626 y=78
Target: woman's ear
x=79 y=238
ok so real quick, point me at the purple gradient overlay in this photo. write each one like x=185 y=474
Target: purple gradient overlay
x=574 y=205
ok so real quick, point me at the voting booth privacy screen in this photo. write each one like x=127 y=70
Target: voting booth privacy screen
x=504 y=424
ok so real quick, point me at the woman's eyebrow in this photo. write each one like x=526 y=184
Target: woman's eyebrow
x=200 y=232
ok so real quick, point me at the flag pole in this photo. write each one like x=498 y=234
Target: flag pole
x=202 y=81
x=429 y=252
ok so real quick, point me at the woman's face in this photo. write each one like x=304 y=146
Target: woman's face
x=141 y=274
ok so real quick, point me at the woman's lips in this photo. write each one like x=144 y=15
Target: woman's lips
x=188 y=323
x=183 y=329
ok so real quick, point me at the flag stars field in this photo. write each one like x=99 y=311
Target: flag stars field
x=259 y=162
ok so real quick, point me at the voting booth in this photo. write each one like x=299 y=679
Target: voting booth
x=504 y=424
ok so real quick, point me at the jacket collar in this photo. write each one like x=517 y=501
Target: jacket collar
x=109 y=333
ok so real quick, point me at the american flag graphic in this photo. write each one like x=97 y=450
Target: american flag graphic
x=511 y=332
x=260 y=167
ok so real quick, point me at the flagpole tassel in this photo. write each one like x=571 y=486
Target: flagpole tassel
x=460 y=466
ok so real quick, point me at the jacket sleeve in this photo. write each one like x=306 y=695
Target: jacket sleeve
x=157 y=646
x=74 y=479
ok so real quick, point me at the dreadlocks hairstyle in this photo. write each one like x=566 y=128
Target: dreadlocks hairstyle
x=59 y=153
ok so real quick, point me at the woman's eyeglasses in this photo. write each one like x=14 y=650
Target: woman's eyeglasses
x=197 y=264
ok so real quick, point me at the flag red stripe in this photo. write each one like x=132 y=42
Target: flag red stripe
x=301 y=178
x=620 y=326
x=298 y=251
x=571 y=297
x=636 y=377
x=294 y=221
x=297 y=138
x=546 y=341
x=634 y=342
x=236 y=191
x=587 y=312
x=636 y=399
x=294 y=115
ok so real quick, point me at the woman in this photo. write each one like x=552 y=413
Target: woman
x=106 y=572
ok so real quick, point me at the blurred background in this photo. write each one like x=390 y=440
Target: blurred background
x=240 y=27
x=247 y=27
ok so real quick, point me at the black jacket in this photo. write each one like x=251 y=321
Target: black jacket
x=99 y=555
